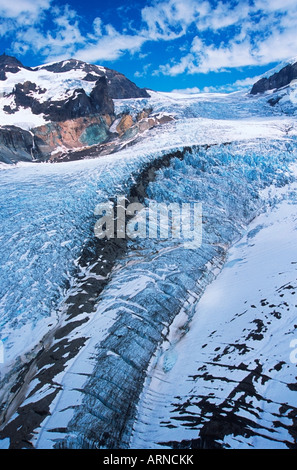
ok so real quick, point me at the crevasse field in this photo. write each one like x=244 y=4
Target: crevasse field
x=148 y=343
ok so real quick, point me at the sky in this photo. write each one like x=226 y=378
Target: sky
x=188 y=45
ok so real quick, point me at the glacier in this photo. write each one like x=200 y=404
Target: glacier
x=97 y=334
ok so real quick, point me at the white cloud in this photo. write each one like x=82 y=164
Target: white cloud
x=143 y=72
x=65 y=39
x=204 y=59
x=274 y=5
x=223 y=15
x=265 y=32
x=169 y=20
x=185 y=64
x=97 y=26
x=218 y=58
x=278 y=46
x=223 y=36
x=245 y=82
x=62 y=40
x=110 y=47
x=23 y=10
x=238 y=85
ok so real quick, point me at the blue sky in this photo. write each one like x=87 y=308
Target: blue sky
x=193 y=45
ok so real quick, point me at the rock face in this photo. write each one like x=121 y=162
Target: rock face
x=122 y=88
x=18 y=145
x=100 y=99
x=119 y=86
x=79 y=104
x=73 y=134
x=125 y=123
x=74 y=104
x=88 y=89
x=9 y=64
x=277 y=80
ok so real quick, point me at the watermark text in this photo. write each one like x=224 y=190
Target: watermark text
x=157 y=221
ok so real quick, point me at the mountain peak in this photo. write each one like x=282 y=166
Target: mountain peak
x=63 y=66
x=9 y=60
x=276 y=78
x=120 y=87
x=10 y=64
x=68 y=65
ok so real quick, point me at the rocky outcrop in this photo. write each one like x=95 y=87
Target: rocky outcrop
x=119 y=86
x=277 y=80
x=100 y=99
x=78 y=108
x=125 y=123
x=79 y=104
x=9 y=64
x=127 y=133
x=127 y=128
x=144 y=114
x=19 y=145
x=74 y=139
x=58 y=137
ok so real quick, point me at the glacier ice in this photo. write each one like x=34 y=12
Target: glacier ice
x=106 y=339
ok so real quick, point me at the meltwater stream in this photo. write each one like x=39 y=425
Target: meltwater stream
x=48 y=219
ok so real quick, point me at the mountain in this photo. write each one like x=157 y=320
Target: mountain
x=276 y=80
x=65 y=105
x=70 y=110
x=10 y=64
x=119 y=87
x=61 y=91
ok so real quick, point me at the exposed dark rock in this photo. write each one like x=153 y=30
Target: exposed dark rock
x=90 y=77
x=100 y=99
x=277 y=80
x=18 y=145
x=119 y=86
x=9 y=64
x=8 y=110
x=73 y=64
x=77 y=105
x=22 y=94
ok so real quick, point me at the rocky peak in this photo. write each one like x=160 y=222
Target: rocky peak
x=63 y=66
x=9 y=61
x=119 y=86
x=277 y=80
x=9 y=64
x=79 y=104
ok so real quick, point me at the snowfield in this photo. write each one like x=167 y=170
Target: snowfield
x=232 y=371
x=147 y=344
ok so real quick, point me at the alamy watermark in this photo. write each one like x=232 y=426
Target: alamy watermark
x=176 y=221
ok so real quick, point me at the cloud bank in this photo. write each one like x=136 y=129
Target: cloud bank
x=218 y=36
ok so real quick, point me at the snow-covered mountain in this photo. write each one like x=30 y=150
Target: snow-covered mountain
x=71 y=109
x=147 y=342
x=276 y=78
x=60 y=106
x=44 y=89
